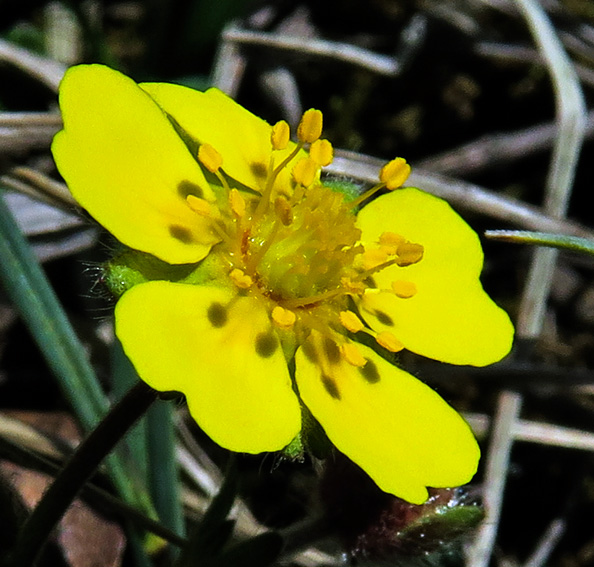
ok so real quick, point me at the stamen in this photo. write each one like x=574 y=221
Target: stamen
x=353 y=355
x=199 y=206
x=394 y=173
x=370 y=259
x=237 y=203
x=321 y=152
x=280 y=135
x=265 y=197
x=409 y=253
x=364 y=196
x=283 y=211
x=241 y=279
x=404 y=289
x=391 y=239
x=351 y=321
x=392 y=176
x=282 y=317
x=304 y=171
x=389 y=341
x=310 y=127
x=210 y=158
x=353 y=287
x=312 y=299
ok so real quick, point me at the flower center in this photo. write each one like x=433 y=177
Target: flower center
x=298 y=248
x=301 y=250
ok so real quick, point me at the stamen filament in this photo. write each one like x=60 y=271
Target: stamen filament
x=378 y=268
x=302 y=301
x=254 y=259
x=266 y=194
x=364 y=196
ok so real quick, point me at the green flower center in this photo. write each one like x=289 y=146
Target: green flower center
x=302 y=250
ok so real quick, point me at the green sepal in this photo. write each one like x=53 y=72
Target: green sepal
x=131 y=267
x=348 y=188
x=294 y=450
x=313 y=436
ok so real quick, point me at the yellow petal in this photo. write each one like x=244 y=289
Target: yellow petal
x=243 y=139
x=225 y=358
x=398 y=430
x=125 y=164
x=450 y=317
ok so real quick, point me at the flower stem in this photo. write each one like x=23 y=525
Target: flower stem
x=81 y=466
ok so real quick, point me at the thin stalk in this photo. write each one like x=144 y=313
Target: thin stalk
x=28 y=288
x=81 y=466
x=563 y=241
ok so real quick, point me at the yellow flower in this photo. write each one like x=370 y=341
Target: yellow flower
x=289 y=276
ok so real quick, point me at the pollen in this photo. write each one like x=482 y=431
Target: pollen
x=394 y=173
x=310 y=127
x=199 y=206
x=210 y=158
x=322 y=152
x=353 y=355
x=282 y=317
x=352 y=286
x=237 y=203
x=241 y=279
x=279 y=137
x=409 y=253
x=351 y=321
x=389 y=341
x=305 y=171
x=404 y=289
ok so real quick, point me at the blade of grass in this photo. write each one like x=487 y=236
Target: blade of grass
x=81 y=466
x=563 y=241
x=151 y=447
x=123 y=377
x=162 y=466
x=28 y=288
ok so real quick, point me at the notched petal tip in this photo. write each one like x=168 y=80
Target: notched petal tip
x=394 y=427
x=124 y=162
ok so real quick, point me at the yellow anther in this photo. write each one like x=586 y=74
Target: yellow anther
x=404 y=289
x=388 y=249
x=351 y=321
x=354 y=287
x=241 y=279
x=322 y=152
x=353 y=355
x=389 y=341
x=237 y=203
x=283 y=210
x=409 y=253
x=210 y=158
x=372 y=258
x=394 y=173
x=199 y=206
x=284 y=318
x=279 y=136
x=310 y=127
x=391 y=239
x=305 y=171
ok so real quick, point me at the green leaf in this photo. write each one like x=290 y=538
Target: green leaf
x=566 y=242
